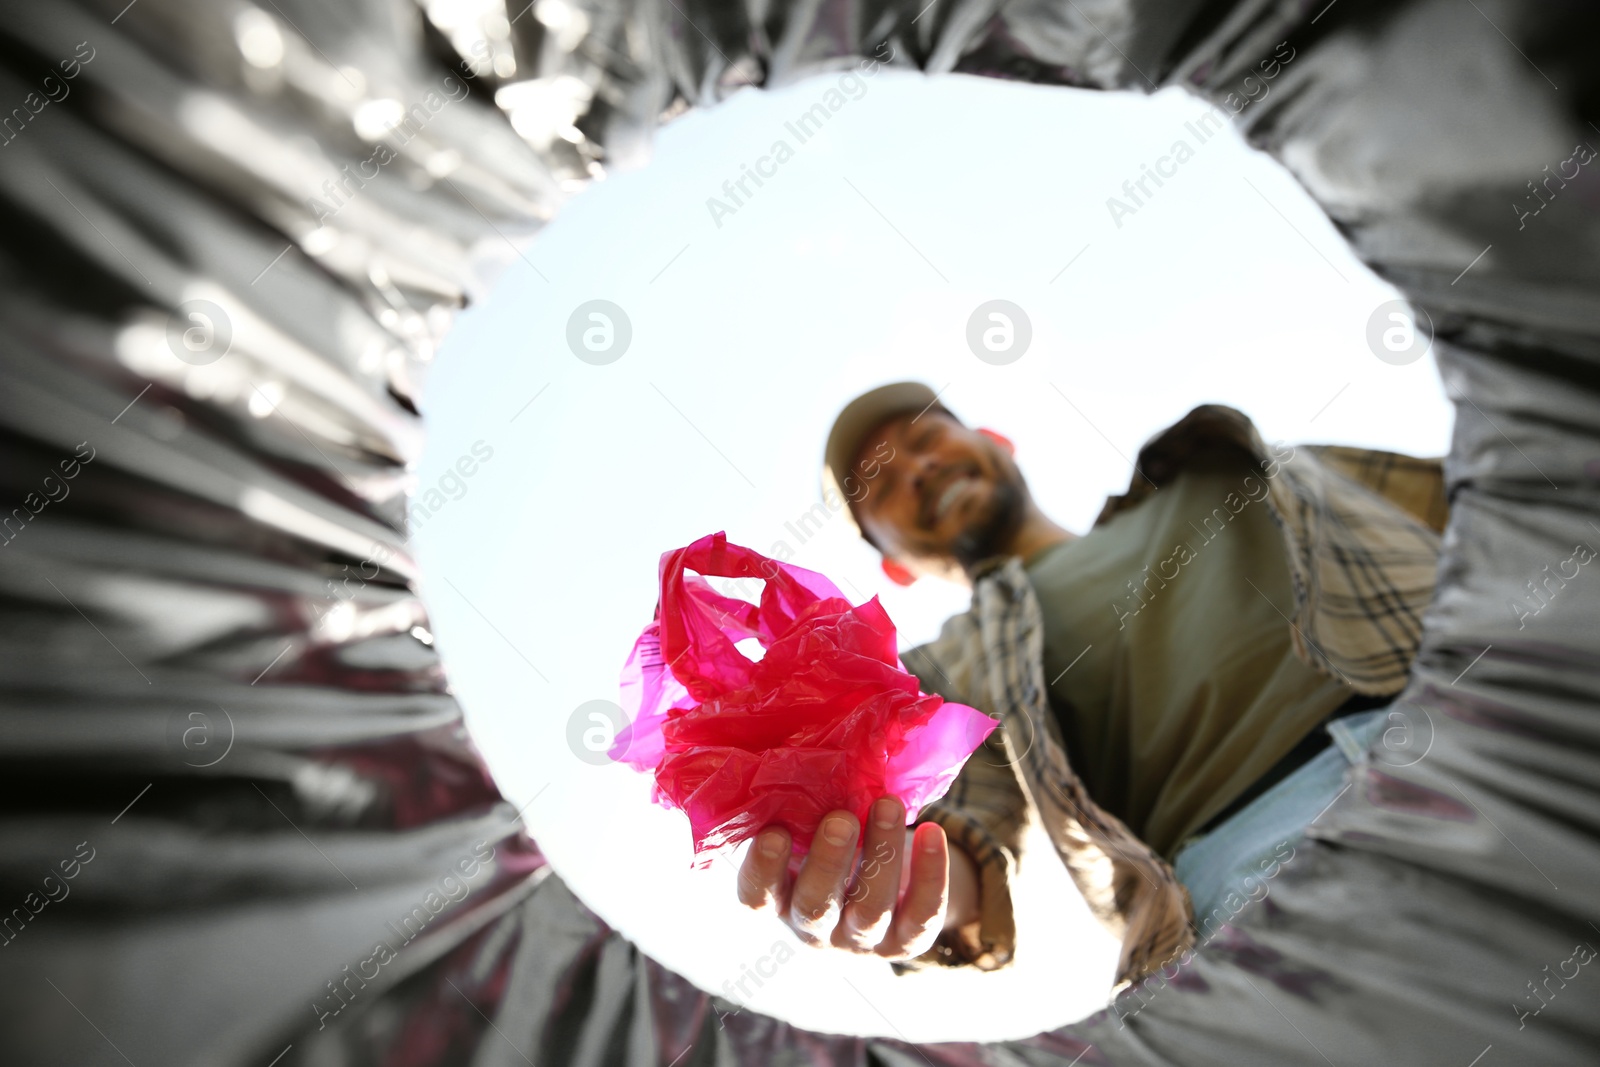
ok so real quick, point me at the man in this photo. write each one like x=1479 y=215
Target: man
x=1153 y=677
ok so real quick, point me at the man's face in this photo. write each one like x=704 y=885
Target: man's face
x=943 y=496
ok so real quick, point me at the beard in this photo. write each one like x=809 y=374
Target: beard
x=991 y=533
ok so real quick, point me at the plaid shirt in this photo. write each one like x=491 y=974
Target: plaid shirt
x=1361 y=529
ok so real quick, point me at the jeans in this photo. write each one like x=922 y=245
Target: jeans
x=1233 y=863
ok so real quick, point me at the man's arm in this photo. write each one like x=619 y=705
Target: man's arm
x=984 y=815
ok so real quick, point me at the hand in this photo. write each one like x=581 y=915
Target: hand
x=892 y=909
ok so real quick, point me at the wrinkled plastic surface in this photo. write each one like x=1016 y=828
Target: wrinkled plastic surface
x=827 y=719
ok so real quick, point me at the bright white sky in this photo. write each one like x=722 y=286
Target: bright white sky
x=1227 y=285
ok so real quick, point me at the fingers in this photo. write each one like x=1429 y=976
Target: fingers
x=764 y=874
x=818 y=895
x=869 y=905
x=913 y=869
x=920 y=916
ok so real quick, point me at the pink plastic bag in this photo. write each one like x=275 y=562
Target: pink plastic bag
x=828 y=719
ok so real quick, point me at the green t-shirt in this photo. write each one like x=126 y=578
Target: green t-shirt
x=1188 y=688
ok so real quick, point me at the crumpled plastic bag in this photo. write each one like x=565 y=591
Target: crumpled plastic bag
x=827 y=719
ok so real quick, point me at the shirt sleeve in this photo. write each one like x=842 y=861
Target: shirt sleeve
x=984 y=814
x=1414 y=485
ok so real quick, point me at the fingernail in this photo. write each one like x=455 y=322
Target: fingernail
x=772 y=845
x=931 y=843
x=885 y=814
x=837 y=830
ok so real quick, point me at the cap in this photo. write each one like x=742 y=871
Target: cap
x=860 y=417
